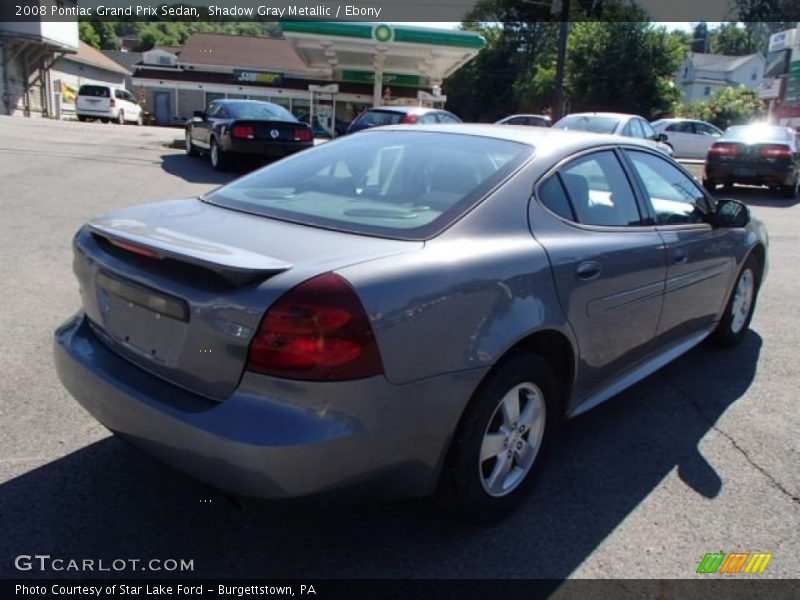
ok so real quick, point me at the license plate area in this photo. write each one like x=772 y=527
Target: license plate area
x=744 y=172
x=143 y=320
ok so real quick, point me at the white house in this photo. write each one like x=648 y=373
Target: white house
x=703 y=74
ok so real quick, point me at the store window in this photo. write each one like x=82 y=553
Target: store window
x=211 y=96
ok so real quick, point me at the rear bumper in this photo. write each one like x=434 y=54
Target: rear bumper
x=273 y=438
x=108 y=113
x=265 y=148
x=750 y=173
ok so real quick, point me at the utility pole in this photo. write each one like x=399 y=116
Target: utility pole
x=558 y=103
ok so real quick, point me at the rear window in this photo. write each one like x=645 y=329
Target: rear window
x=97 y=91
x=376 y=118
x=758 y=133
x=396 y=184
x=259 y=111
x=588 y=123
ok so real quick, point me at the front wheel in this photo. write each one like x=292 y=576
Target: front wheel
x=741 y=305
x=140 y=120
x=500 y=443
x=190 y=147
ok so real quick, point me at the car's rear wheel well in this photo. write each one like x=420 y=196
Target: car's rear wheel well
x=556 y=348
x=760 y=254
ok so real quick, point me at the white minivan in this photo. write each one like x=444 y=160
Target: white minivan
x=107 y=103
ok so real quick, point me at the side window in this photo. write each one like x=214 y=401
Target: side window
x=636 y=128
x=428 y=118
x=674 y=197
x=553 y=196
x=119 y=95
x=445 y=118
x=675 y=127
x=704 y=129
x=648 y=131
x=600 y=192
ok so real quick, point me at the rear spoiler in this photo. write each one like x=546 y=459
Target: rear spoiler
x=236 y=265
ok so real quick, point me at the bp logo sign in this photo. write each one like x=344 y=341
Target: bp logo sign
x=382 y=33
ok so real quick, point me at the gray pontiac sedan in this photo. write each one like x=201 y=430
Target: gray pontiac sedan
x=410 y=310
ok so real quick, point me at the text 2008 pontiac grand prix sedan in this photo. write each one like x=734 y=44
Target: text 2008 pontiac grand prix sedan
x=409 y=309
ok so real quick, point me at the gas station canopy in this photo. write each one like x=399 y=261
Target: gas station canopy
x=382 y=54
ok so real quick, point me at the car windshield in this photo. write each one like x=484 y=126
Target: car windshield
x=396 y=184
x=757 y=133
x=263 y=111
x=592 y=123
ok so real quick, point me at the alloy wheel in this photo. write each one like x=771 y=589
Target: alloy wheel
x=512 y=439
x=742 y=300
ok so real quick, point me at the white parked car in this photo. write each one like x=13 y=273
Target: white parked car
x=689 y=138
x=107 y=103
x=615 y=123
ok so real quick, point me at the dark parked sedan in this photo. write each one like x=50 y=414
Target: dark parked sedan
x=410 y=309
x=231 y=128
x=400 y=115
x=754 y=155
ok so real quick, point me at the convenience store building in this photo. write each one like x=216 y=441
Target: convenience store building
x=330 y=70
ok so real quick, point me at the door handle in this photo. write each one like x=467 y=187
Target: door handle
x=680 y=258
x=588 y=270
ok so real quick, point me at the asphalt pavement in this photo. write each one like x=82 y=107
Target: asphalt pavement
x=700 y=457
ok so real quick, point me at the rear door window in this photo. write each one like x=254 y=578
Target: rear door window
x=377 y=118
x=599 y=191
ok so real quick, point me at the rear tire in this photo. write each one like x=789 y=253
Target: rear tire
x=219 y=160
x=501 y=442
x=121 y=117
x=140 y=120
x=789 y=191
x=82 y=118
x=741 y=305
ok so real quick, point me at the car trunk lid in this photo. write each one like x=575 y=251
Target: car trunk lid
x=179 y=288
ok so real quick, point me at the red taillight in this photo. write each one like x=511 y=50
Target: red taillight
x=301 y=134
x=135 y=249
x=409 y=119
x=317 y=331
x=776 y=151
x=244 y=132
x=723 y=149
x=113 y=103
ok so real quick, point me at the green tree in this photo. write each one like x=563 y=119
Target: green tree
x=728 y=106
x=623 y=66
x=88 y=34
x=730 y=39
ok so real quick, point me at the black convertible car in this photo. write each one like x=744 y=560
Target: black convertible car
x=228 y=128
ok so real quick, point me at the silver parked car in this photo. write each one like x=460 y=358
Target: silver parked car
x=412 y=310
x=688 y=138
x=617 y=123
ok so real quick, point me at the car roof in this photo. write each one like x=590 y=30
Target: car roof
x=526 y=115
x=406 y=109
x=604 y=114
x=533 y=136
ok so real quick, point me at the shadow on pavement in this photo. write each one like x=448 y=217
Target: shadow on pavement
x=110 y=501
x=196 y=169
